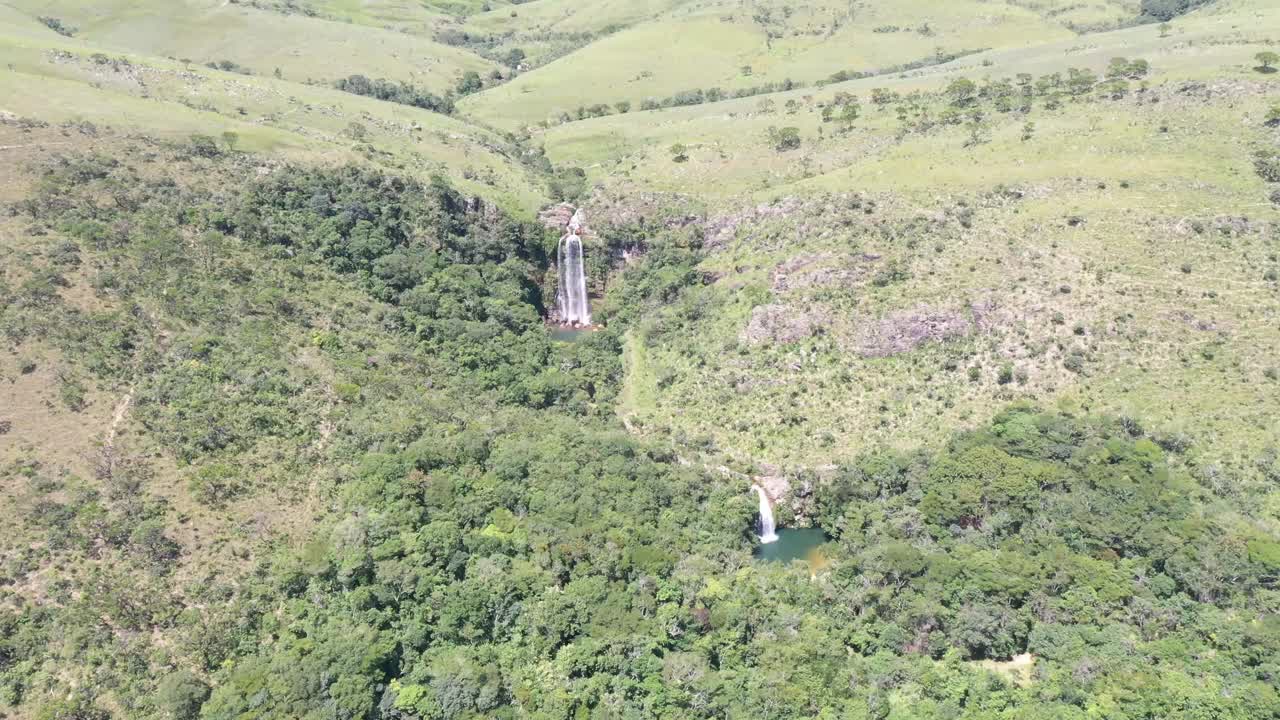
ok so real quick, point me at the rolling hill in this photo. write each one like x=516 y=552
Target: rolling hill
x=982 y=297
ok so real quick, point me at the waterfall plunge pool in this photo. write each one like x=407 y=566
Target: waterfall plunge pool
x=568 y=333
x=796 y=544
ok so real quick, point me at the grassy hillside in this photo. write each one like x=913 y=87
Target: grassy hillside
x=58 y=79
x=1113 y=251
x=203 y=31
x=994 y=309
x=296 y=443
x=734 y=46
x=728 y=140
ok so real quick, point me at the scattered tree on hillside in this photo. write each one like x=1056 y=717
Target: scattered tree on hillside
x=679 y=153
x=784 y=139
x=882 y=97
x=513 y=58
x=1124 y=68
x=962 y=92
x=1266 y=61
x=844 y=109
x=979 y=130
x=470 y=83
x=1080 y=81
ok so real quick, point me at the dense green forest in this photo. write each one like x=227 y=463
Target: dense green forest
x=492 y=543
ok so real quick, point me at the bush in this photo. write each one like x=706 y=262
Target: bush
x=180 y=695
x=784 y=139
x=1267 y=164
x=215 y=484
x=1006 y=374
x=470 y=83
x=1123 y=68
x=402 y=93
x=72 y=393
x=57 y=26
x=203 y=146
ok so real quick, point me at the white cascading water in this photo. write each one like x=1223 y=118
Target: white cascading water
x=572 y=295
x=768 y=531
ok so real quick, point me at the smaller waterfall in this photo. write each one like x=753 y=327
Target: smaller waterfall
x=574 y=306
x=768 y=532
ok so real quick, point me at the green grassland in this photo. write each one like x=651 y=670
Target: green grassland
x=713 y=45
x=727 y=140
x=55 y=79
x=548 y=29
x=318 y=49
x=401 y=15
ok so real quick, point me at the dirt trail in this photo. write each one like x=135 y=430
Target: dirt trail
x=122 y=408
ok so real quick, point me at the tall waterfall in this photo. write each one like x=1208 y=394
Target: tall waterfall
x=767 y=528
x=572 y=295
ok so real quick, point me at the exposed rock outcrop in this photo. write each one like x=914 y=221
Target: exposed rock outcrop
x=907 y=330
x=783 y=324
x=819 y=270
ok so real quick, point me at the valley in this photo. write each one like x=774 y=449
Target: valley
x=409 y=359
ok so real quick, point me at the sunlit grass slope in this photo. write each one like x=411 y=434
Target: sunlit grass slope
x=302 y=48
x=734 y=45
x=1112 y=254
x=56 y=79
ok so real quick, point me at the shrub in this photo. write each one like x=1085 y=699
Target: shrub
x=72 y=393
x=203 y=146
x=1123 y=68
x=402 y=93
x=1006 y=374
x=180 y=694
x=514 y=57
x=470 y=83
x=1267 y=164
x=215 y=484
x=784 y=139
x=229 y=66
x=57 y=26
